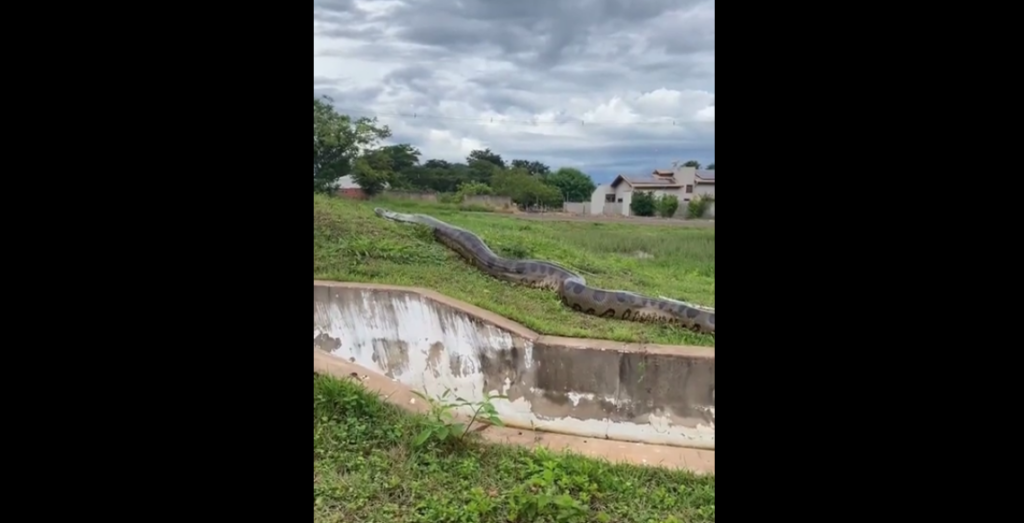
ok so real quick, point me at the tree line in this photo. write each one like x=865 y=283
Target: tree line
x=343 y=145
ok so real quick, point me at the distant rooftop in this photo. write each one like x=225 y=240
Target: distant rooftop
x=651 y=180
x=706 y=175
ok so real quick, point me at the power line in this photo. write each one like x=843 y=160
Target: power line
x=562 y=120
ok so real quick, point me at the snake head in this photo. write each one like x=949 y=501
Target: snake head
x=383 y=213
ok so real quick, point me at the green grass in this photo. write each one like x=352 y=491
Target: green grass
x=351 y=243
x=366 y=470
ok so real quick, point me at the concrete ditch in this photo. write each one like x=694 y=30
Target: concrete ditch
x=651 y=394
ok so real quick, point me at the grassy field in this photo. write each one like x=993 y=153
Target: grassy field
x=350 y=243
x=365 y=469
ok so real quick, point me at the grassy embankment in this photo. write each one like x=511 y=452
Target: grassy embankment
x=350 y=243
x=366 y=469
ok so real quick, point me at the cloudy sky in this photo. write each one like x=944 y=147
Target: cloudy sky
x=610 y=86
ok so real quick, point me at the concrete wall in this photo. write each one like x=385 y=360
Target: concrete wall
x=489 y=201
x=576 y=208
x=592 y=388
x=598 y=205
x=416 y=196
x=597 y=198
x=704 y=189
x=685 y=175
x=584 y=209
x=624 y=192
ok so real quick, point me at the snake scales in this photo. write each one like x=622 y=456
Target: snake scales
x=571 y=287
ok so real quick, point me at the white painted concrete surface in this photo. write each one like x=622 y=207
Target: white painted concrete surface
x=371 y=327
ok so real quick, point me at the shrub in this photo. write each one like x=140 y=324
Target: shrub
x=449 y=198
x=475 y=189
x=698 y=206
x=668 y=204
x=643 y=204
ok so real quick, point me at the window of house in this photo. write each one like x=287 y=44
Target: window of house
x=689 y=189
x=609 y=198
x=620 y=200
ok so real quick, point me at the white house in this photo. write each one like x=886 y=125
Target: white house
x=683 y=182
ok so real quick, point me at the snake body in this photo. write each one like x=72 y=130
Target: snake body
x=571 y=287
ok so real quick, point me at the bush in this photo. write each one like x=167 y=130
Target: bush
x=449 y=198
x=525 y=189
x=698 y=206
x=643 y=204
x=668 y=204
x=474 y=189
x=465 y=189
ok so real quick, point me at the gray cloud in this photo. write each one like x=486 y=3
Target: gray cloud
x=608 y=85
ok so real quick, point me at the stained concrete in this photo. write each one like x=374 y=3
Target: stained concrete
x=653 y=394
x=694 y=460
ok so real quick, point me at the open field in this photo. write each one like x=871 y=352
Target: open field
x=350 y=243
x=631 y=220
x=366 y=469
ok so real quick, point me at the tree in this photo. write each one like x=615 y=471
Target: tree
x=692 y=163
x=373 y=171
x=338 y=141
x=526 y=189
x=535 y=168
x=401 y=160
x=402 y=156
x=483 y=171
x=711 y=166
x=485 y=155
x=436 y=175
x=643 y=204
x=574 y=185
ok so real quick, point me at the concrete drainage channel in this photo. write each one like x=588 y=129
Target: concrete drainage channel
x=650 y=394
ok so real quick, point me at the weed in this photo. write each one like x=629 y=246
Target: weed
x=441 y=423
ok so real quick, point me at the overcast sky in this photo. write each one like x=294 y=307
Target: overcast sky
x=610 y=86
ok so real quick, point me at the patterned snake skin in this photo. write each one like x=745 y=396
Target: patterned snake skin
x=571 y=287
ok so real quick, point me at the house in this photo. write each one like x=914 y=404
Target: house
x=683 y=182
x=347 y=187
x=703 y=182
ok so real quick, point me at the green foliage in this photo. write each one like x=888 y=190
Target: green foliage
x=667 y=205
x=373 y=171
x=711 y=166
x=337 y=142
x=438 y=176
x=400 y=161
x=698 y=206
x=574 y=185
x=487 y=156
x=441 y=424
x=474 y=189
x=643 y=204
x=535 y=168
x=465 y=190
x=692 y=163
x=345 y=146
x=526 y=190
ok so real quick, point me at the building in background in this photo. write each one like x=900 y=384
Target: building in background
x=684 y=183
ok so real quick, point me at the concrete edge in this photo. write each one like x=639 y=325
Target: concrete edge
x=518 y=329
x=679 y=458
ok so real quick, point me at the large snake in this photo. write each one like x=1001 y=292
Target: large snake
x=571 y=287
